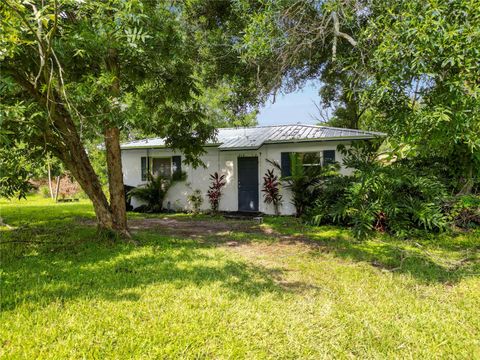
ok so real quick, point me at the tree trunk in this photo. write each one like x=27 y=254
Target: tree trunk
x=50 y=177
x=113 y=153
x=468 y=185
x=76 y=159
x=58 y=188
x=115 y=178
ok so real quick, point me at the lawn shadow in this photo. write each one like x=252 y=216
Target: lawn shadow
x=433 y=260
x=430 y=260
x=87 y=268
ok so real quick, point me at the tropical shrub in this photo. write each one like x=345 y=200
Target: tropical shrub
x=390 y=197
x=464 y=211
x=196 y=200
x=304 y=182
x=179 y=176
x=152 y=193
x=214 y=192
x=271 y=190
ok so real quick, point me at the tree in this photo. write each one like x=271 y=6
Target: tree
x=381 y=64
x=424 y=79
x=74 y=71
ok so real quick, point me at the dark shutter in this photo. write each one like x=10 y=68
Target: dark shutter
x=144 y=168
x=328 y=157
x=177 y=164
x=285 y=164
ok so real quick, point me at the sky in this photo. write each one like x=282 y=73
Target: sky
x=297 y=107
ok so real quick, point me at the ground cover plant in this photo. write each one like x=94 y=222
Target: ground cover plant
x=206 y=287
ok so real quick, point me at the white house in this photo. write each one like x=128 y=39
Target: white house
x=241 y=154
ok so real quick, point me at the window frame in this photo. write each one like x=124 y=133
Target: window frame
x=318 y=153
x=150 y=163
x=321 y=158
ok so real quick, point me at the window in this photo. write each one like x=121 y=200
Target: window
x=161 y=167
x=308 y=159
x=328 y=157
x=165 y=166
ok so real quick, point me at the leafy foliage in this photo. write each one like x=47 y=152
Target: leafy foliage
x=17 y=166
x=304 y=182
x=464 y=211
x=214 y=192
x=396 y=198
x=381 y=66
x=196 y=200
x=271 y=190
x=152 y=193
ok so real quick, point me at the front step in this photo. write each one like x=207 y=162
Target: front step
x=238 y=215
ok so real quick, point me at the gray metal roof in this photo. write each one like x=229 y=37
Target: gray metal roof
x=244 y=138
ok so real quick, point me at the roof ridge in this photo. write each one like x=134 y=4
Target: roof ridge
x=263 y=126
x=349 y=129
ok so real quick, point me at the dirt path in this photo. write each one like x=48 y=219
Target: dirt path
x=194 y=228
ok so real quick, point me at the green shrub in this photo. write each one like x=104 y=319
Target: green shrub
x=44 y=191
x=305 y=182
x=82 y=195
x=395 y=198
x=196 y=200
x=464 y=211
x=152 y=193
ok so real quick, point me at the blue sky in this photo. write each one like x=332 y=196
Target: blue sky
x=292 y=108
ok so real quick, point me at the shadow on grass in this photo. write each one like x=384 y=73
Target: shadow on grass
x=81 y=267
x=437 y=259
x=67 y=261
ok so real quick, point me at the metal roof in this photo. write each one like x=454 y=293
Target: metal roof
x=246 y=138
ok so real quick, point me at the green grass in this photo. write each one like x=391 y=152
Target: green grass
x=284 y=290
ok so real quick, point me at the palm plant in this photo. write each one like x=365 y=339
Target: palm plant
x=152 y=193
x=304 y=181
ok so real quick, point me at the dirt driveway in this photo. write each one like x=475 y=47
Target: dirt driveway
x=196 y=228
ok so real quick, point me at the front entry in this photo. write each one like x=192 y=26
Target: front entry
x=247 y=184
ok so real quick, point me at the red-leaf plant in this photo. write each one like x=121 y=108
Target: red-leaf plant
x=271 y=190
x=215 y=190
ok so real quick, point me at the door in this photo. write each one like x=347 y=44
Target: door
x=248 y=184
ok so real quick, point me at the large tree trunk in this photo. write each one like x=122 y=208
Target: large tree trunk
x=115 y=178
x=72 y=152
x=76 y=159
x=112 y=145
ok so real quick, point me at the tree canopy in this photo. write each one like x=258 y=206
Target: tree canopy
x=409 y=68
x=74 y=72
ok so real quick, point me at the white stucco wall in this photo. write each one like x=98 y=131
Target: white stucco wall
x=224 y=162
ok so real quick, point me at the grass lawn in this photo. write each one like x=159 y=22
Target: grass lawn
x=211 y=288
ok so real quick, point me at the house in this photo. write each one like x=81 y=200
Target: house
x=241 y=154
